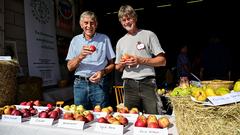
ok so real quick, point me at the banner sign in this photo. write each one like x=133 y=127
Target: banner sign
x=41 y=40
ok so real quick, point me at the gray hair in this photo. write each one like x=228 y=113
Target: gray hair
x=128 y=11
x=88 y=13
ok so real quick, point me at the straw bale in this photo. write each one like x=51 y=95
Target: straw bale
x=8 y=74
x=195 y=119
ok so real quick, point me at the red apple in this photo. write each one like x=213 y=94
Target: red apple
x=102 y=120
x=30 y=103
x=134 y=111
x=36 y=103
x=16 y=113
x=141 y=121
x=68 y=116
x=152 y=118
x=97 y=108
x=54 y=115
x=33 y=112
x=43 y=114
x=123 y=120
x=92 y=48
x=124 y=110
x=81 y=118
x=24 y=110
x=163 y=122
x=49 y=105
x=111 y=120
x=23 y=103
x=116 y=122
x=153 y=125
x=90 y=117
x=26 y=114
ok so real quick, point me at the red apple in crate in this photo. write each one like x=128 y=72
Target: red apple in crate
x=123 y=121
x=30 y=103
x=152 y=118
x=58 y=110
x=81 y=118
x=141 y=121
x=97 y=108
x=106 y=110
x=24 y=110
x=49 y=105
x=124 y=110
x=163 y=122
x=116 y=122
x=36 y=103
x=16 y=113
x=23 y=103
x=134 y=111
x=26 y=114
x=110 y=109
x=68 y=116
x=33 y=112
x=43 y=114
x=111 y=120
x=90 y=117
x=102 y=120
x=108 y=116
x=54 y=115
x=153 y=125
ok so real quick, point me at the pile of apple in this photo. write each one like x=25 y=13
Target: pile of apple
x=124 y=109
x=151 y=121
x=25 y=112
x=74 y=108
x=31 y=103
x=98 y=108
x=51 y=112
x=86 y=116
x=110 y=119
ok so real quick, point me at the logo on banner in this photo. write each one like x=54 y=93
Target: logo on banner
x=40 y=11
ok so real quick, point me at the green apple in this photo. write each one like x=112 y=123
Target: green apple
x=236 y=86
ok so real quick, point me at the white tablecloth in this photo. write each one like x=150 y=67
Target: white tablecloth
x=7 y=128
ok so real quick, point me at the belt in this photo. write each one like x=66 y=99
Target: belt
x=146 y=78
x=81 y=77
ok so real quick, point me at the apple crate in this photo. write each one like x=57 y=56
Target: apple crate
x=195 y=119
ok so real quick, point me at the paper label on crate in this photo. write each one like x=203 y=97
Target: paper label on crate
x=109 y=128
x=149 y=131
x=74 y=124
x=40 y=108
x=235 y=96
x=99 y=114
x=21 y=107
x=41 y=121
x=221 y=100
x=12 y=118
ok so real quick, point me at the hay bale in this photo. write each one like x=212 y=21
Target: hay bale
x=195 y=119
x=8 y=74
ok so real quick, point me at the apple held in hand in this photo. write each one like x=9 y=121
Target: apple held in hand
x=91 y=48
x=125 y=57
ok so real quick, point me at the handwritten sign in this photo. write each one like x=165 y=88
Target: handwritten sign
x=109 y=128
x=225 y=99
x=73 y=124
x=149 y=131
x=41 y=121
x=99 y=114
x=12 y=118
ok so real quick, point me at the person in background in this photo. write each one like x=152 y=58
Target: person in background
x=91 y=55
x=183 y=65
x=137 y=53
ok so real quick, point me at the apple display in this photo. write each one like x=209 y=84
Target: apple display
x=141 y=121
x=102 y=120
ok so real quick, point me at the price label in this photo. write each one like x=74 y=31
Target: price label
x=149 y=131
x=12 y=118
x=109 y=128
x=41 y=121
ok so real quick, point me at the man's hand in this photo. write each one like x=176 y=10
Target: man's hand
x=95 y=78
